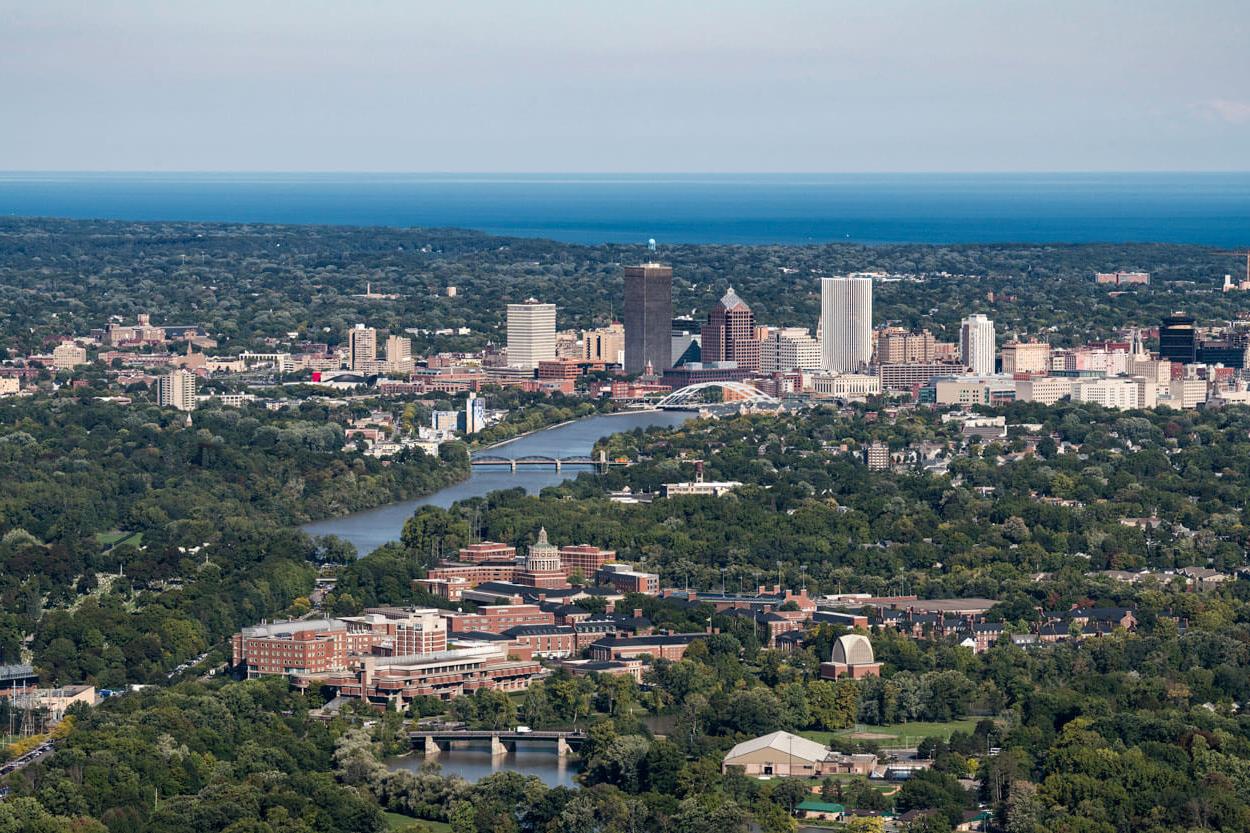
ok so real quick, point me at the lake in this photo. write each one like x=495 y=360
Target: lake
x=372 y=528
x=1206 y=208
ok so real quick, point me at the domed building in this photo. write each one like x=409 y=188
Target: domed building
x=542 y=567
x=852 y=657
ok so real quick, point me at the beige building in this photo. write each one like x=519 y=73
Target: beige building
x=779 y=754
x=531 y=334
x=1025 y=357
x=398 y=354
x=362 y=346
x=176 y=389
x=606 y=344
x=9 y=385
x=852 y=657
x=58 y=700
x=1045 y=389
x=67 y=355
x=899 y=347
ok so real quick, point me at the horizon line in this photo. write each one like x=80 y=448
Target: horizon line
x=579 y=173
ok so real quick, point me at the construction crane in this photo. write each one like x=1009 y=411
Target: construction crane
x=1237 y=253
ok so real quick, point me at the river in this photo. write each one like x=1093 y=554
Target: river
x=474 y=764
x=372 y=528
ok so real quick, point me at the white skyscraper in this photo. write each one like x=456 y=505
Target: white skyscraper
x=531 y=334
x=845 y=323
x=976 y=344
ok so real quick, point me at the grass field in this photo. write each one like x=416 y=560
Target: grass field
x=395 y=821
x=112 y=539
x=901 y=734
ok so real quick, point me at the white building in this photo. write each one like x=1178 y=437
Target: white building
x=976 y=344
x=789 y=348
x=176 y=390
x=1123 y=392
x=845 y=323
x=531 y=334
x=850 y=385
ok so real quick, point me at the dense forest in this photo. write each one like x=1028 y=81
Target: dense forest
x=246 y=283
x=133 y=541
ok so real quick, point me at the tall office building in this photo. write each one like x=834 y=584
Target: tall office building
x=362 y=344
x=531 y=334
x=176 y=389
x=606 y=344
x=648 y=317
x=729 y=334
x=976 y=344
x=845 y=323
x=1178 y=339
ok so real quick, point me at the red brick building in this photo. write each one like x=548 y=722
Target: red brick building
x=487 y=551
x=498 y=618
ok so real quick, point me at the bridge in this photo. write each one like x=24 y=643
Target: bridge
x=734 y=393
x=600 y=463
x=501 y=741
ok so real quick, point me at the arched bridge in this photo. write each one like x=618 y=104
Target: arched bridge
x=735 y=392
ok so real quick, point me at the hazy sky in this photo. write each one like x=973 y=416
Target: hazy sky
x=624 y=85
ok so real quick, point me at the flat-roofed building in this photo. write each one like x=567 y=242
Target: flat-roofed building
x=1025 y=357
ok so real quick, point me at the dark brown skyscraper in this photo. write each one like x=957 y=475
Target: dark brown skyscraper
x=648 y=317
x=729 y=334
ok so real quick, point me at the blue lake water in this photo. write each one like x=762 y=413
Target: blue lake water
x=1205 y=208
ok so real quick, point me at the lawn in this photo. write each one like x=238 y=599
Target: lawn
x=906 y=734
x=395 y=821
x=112 y=539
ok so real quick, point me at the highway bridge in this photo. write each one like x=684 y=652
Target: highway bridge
x=433 y=742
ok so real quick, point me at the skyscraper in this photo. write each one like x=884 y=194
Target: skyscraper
x=729 y=334
x=648 y=317
x=1178 y=340
x=845 y=323
x=976 y=344
x=176 y=389
x=531 y=334
x=362 y=343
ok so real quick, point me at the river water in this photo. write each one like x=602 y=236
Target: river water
x=372 y=528
x=475 y=764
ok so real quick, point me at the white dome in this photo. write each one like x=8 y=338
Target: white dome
x=853 y=649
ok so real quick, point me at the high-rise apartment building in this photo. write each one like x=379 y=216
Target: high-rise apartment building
x=362 y=347
x=648 y=317
x=846 y=323
x=398 y=354
x=606 y=344
x=176 y=389
x=531 y=334
x=1025 y=357
x=899 y=347
x=729 y=334
x=976 y=344
x=1178 y=339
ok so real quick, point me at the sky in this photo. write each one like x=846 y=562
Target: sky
x=637 y=86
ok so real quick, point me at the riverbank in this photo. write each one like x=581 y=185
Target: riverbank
x=372 y=528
